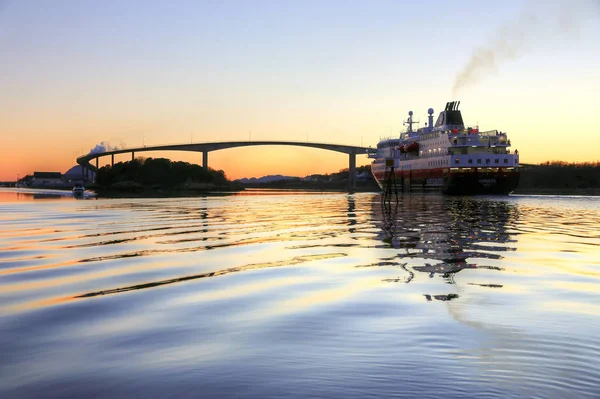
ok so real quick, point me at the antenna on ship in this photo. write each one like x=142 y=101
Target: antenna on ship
x=410 y=122
x=430 y=118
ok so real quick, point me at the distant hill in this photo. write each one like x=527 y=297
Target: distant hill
x=265 y=179
x=334 y=181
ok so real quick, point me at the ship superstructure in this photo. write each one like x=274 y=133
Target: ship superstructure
x=447 y=156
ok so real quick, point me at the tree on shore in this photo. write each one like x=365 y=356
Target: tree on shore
x=159 y=172
x=561 y=175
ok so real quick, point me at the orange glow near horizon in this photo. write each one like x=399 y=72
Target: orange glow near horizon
x=267 y=160
x=47 y=144
x=236 y=163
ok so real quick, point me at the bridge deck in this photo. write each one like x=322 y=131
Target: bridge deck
x=205 y=148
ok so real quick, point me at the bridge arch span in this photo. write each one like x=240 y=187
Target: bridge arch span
x=205 y=148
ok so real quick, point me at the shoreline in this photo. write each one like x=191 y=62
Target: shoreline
x=152 y=193
x=225 y=191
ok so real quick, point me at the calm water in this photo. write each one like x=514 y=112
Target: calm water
x=299 y=295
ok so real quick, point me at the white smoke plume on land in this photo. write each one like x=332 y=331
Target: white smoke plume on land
x=539 y=21
x=104 y=147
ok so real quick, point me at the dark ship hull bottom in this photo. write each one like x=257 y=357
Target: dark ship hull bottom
x=452 y=183
x=466 y=185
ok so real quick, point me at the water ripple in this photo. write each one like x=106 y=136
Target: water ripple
x=301 y=295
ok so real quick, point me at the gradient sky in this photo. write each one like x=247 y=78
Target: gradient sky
x=76 y=73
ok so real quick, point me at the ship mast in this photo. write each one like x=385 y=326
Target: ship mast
x=410 y=122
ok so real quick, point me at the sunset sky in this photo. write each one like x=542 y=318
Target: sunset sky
x=77 y=73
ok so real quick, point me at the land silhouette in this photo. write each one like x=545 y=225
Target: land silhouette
x=165 y=177
x=160 y=175
x=558 y=177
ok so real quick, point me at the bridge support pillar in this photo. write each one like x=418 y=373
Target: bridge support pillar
x=112 y=160
x=132 y=155
x=205 y=160
x=96 y=163
x=352 y=171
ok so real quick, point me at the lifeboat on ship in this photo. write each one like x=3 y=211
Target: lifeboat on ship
x=412 y=147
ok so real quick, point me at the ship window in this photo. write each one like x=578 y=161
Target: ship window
x=479 y=160
x=496 y=161
x=456 y=161
x=487 y=161
x=470 y=161
x=505 y=160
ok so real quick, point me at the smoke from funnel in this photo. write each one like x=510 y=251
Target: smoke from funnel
x=103 y=147
x=539 y=21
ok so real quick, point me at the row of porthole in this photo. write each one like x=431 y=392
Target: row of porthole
x=442 y=162
x=487 y=161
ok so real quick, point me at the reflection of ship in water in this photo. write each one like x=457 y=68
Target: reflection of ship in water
x=446 y=234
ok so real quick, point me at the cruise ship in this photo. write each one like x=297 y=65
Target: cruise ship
x=446 y=156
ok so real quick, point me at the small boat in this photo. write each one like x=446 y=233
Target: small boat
x=78 y=190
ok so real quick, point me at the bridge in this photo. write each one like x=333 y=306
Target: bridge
x=205 y=148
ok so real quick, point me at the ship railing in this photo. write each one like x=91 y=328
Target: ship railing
x=489 y=133
x=484 y=138
x=470 y=130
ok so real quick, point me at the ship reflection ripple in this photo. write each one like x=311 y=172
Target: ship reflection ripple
x=442 y=236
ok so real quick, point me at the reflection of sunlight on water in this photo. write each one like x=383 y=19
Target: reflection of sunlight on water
x=433 y=235
x=572 y=307
x=36 y=194
x=243 y=290
x=142 y=267
x=33 y=305
x=323 y=296
x=575 y=287
x=481 y=293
